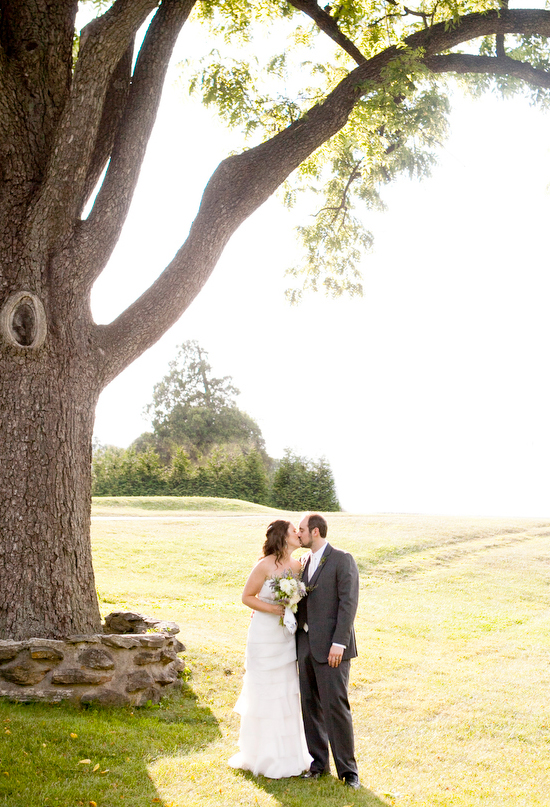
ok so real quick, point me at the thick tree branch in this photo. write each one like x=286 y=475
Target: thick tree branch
x=35 y=72
x=492 y=65
x=98 y=235
x=8 y=102
x=499 y=39
x=14 y=161
x=37 y=40
x=329 y=26
x=113 y=108
x=4 y=67
x=242 y=183
x=102 y=45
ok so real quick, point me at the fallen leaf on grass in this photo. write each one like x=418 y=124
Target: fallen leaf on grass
x=93 y=804
x=95 y=768
x=73 y=736
x=84 y=761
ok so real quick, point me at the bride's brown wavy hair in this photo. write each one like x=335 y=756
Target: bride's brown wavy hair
x=275 y=539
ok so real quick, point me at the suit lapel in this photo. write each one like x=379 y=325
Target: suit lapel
x=305 y=571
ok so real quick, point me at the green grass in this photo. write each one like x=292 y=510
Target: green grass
x=449 y=694
x=172 y=505
x=63 y=755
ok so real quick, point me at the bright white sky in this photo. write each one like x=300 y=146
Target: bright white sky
x=431 y=393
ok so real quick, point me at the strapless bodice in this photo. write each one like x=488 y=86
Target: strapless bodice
x=266 y=593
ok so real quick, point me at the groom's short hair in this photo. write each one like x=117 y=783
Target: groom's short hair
x=317 y=520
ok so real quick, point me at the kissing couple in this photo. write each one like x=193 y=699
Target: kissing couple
x=278 y=737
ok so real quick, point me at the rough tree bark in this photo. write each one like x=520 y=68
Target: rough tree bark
x=58 y=128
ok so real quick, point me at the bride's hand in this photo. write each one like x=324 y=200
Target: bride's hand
x=279 y=610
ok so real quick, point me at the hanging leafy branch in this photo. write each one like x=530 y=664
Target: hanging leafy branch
x=395 y=128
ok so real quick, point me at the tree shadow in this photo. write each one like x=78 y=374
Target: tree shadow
x=327 y=791
x=62 y=755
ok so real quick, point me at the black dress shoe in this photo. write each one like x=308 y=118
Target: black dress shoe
x=314 y=774
x=352 y=781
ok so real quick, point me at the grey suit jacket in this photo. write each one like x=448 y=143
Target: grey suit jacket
x=329 y=608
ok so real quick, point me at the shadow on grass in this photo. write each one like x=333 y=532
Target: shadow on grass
x=328 y=792
x=65 y=756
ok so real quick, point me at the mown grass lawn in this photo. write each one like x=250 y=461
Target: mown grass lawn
x=450 y=693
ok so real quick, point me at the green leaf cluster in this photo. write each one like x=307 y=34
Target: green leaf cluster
x=195 y=410
x=394 y=130
x=533 y=50
x=262 y=84
x=127 y=472
x=302 y=484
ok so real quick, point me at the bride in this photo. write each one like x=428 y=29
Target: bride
x=271 y=739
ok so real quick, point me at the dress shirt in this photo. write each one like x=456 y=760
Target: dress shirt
x=314 y=561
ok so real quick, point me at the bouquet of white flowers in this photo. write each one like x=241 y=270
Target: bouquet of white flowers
x=288 y=590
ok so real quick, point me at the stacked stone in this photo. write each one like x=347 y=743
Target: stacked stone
x=111 y=669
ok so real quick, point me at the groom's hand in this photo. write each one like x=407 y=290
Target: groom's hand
x=335 y=655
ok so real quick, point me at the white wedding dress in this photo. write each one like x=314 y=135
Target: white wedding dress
x=271 y=739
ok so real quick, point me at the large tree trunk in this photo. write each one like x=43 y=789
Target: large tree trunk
x=58 y=128
x=47 y=403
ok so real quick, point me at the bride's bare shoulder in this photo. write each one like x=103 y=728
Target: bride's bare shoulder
x=295 y=565
x=266 y=564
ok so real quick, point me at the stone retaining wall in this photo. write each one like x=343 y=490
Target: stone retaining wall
x=110 y=669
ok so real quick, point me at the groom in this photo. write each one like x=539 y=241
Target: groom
x=325 y=643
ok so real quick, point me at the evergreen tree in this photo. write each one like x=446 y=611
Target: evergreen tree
x=302 y=484
x=120 y=472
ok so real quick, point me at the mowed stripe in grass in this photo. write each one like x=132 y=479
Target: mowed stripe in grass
x=450 y=692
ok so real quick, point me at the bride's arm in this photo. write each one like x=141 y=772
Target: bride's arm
x=252 y=588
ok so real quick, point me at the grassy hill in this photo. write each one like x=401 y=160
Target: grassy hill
x=171 y=505
x=449 y=693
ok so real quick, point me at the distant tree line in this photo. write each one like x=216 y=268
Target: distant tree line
x=202 y=444
x=297 y=483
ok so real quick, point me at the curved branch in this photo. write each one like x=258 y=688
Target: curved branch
x=329 y=26
x=120 y=21
x=113 y=108
x=99 y=234
x=102 y=45
x=343 y=206
x=413 y=13
x=242 y=183
x=492 y=65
